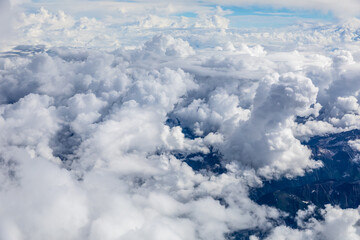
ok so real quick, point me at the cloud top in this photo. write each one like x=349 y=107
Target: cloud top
x=116 y=133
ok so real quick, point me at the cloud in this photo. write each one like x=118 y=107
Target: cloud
x=96 y=129
x=266 y=141
x=337 y=224
x=57 y=206
x=95 y=121
x=355 y=145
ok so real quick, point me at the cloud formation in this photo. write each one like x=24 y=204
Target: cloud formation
x=95 y=131
x=337 y=224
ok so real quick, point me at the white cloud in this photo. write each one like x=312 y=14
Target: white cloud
x=43 y=201
x=355 y=144
x=113 y=111
x=337 y=224
x=266 y=141
x=86 y=145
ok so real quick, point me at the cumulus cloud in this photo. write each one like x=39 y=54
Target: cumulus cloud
x=94 y=137
x=96 y=121
x=266 y=141
x=337 y=224
x=355 y=144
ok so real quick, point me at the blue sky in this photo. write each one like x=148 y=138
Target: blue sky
x=284 y=12
x=271 y=17
x=257 y=16
x=240 y=17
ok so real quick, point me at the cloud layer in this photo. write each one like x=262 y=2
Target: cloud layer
x=93 y=128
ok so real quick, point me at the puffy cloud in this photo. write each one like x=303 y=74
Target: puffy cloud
x=95 y=121
x=104 y=115
x=91 y=135
x=30 y=123
x=355 y=144
x=214 y=21
x=314 y=128
x=154 y=21
x=168 y=46
x=42 y=200
x=221 y=113
x=266 y=141
x=337 y=224
x=345 y=105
